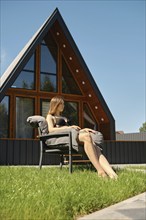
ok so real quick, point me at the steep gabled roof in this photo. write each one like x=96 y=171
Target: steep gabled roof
x=11 y=72
x=56 y=25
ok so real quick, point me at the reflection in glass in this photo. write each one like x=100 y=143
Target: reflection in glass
x=25 y=80
x=89 y=121
x=69 y=85
x=71 y=112
x=44 y=108
x=48 y=62
x=24 y=109
x=48 y=69
x=4 y=117
x=48 y=82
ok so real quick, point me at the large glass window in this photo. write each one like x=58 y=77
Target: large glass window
x=48 y=65
x=44 y=107
x=89 y=121
x=48 y=82
x=48 y=61
x=71 y=112
x=69 y=85
x=24 y=109
x=4 y=117
x=26 y=78
x=30 y=64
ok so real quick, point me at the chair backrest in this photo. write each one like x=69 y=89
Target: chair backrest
x=40 y=122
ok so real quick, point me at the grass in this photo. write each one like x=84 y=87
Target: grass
x=50 y=194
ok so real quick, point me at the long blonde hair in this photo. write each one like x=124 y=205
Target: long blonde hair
x=54 y=103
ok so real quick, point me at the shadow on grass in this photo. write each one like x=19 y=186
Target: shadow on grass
x=84 y=167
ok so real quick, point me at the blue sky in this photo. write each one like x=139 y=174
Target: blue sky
x=111 y=38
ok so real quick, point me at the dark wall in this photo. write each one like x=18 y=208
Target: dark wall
x=23 y=152
x=26 y=152
x=125 y=152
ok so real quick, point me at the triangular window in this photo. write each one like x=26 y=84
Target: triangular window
x=69 y=85
x=48 y=67
x=25 y=80
x=71 y=112
x=89 y=120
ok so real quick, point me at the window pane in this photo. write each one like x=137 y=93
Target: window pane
x=69 y=85
x=71 y=112
x=89 y=121
x=48 y=60
x=4 y=117
x=48 y=68
x=44 y=108
x=48 y=82
x=30 y=64
x=25 y=80
x=24 y=109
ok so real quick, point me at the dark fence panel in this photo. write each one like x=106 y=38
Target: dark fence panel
x=23 y=152
x=26 y=152
x=125 y=152
x=3 y=152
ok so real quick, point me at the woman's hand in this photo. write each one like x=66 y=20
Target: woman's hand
x=75 y=127
x=89 y=130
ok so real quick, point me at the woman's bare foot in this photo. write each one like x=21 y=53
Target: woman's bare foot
x=113 y=176
x=102 y=174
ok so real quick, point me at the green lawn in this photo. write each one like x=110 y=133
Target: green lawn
x=50 y=194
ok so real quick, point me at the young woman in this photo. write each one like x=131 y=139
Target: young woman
x=58 y=123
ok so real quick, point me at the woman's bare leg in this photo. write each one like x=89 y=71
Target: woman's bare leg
x=105 y=164
x=91 y=153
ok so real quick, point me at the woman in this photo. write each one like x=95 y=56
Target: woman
x=58 y=123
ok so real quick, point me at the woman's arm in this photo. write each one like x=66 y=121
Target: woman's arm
x=52 y=128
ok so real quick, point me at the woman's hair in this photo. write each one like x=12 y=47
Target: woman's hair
x=54 y=103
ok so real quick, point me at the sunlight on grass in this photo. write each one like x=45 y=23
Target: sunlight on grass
x=28 y=193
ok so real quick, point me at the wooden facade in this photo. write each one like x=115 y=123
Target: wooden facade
x=49 y=65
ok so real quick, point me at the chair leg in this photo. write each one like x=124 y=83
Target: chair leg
x=40 y=162
x=70 y=164
x=61 y=161
x=41 y=154
x=70 y=153
x=70 y=160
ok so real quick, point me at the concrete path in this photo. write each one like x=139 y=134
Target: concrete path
x=130 y=209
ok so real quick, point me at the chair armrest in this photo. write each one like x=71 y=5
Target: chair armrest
x=54 y=135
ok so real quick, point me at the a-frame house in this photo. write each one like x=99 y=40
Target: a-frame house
x=50 y=64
